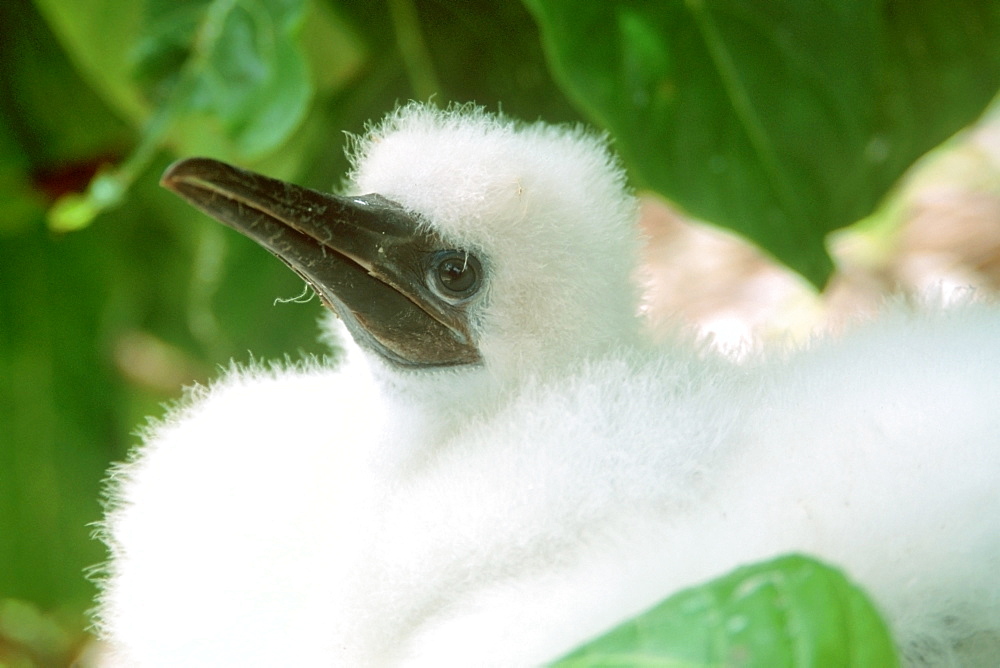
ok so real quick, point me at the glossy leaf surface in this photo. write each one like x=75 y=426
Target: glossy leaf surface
x=780 y=120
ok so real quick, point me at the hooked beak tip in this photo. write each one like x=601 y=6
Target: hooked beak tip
x=173 y=174
x=190 y=171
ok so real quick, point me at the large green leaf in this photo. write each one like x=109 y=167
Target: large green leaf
x=237 y=62
x=782 y=120
x=792 y=611
x=230 y=78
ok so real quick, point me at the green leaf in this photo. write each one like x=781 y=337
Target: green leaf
x=781 y=120
x=792 y=611
x=235 y=66
x=239 y=61
x=99 y=37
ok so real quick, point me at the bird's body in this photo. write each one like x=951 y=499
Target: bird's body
x=501 y=511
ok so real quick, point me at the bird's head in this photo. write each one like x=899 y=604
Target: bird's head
x=472 y=241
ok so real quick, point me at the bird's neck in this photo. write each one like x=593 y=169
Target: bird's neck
x=426 y=408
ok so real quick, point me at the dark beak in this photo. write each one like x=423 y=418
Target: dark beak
x=366 y=257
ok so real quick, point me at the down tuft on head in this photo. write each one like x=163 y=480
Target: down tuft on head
x=545 y=207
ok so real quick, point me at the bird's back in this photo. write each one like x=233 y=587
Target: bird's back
x=584 y=498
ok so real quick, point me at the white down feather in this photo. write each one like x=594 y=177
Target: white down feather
x=355 y=514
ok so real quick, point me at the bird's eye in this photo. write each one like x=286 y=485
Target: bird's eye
x=455 y=275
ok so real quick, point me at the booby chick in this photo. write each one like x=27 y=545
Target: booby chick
x=502 y=467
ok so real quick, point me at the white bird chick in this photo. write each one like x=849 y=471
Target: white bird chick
x=502 y=468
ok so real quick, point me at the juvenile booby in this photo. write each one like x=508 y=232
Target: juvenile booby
x=502 y=467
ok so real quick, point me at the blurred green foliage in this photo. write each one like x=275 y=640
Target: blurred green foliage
x=114 y=294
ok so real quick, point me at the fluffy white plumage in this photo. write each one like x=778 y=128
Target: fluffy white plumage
x=502 y=513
